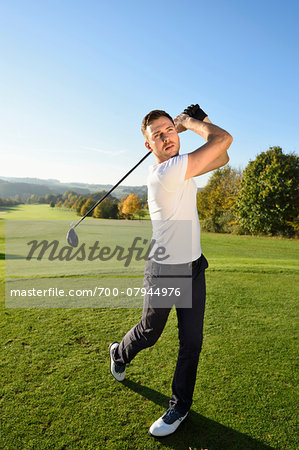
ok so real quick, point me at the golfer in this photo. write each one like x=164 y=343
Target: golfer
x=172 y=200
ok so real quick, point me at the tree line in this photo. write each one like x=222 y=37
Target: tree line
x=110 y=208
x=261 y=200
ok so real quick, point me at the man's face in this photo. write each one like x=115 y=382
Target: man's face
x=162 y=139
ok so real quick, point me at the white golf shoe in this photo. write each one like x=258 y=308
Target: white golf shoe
x=167 y=424
x=117 y=370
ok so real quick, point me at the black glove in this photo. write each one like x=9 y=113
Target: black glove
x=195 y=111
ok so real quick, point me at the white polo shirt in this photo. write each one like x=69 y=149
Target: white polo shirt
x=172 y=207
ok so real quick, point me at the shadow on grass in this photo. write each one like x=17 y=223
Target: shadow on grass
x=197 y=431
x=8 y=208
x=8 y=256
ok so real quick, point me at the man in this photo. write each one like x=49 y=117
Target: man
x=172 y=201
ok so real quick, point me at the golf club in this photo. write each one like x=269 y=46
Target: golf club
x=71 y=236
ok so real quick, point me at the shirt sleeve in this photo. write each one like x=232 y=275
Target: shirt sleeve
x=171 y=173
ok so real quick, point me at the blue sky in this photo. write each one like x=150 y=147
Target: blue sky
x=77 y=77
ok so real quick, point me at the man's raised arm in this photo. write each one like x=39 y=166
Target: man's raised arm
x=209 y=156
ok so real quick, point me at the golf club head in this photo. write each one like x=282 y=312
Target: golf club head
x=72 y=238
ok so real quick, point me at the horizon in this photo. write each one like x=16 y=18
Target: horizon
x=71 y=182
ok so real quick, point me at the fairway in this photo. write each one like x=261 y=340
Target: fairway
x=37 y=212
x=57 y=391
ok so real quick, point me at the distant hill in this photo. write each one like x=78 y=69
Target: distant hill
x=24 y=187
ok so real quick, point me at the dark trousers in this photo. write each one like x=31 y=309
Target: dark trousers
x=190 y=325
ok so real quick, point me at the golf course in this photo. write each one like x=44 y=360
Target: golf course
x=57 y=391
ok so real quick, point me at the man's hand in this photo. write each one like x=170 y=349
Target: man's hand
x=181 y=122
x=193 y=111
x=196 y=112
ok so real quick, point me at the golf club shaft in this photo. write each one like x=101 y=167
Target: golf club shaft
x=112 y=189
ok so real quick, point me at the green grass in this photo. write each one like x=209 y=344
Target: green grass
x=109 y=233
x=57 y=391
x=37 y=212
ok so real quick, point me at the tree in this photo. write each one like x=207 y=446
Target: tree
x=50 y=198
x=52 y=204
x=32 y=199
x=68 y=194
x=268 y=201
x=107 y=209
x=79 y=204
x=72 y=200
x=216 y=201
x=130 y=206
x=141 y=213
x=42 y=200
x=143 y=200
x=87 y=206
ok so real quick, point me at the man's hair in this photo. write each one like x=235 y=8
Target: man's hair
x=151 y=116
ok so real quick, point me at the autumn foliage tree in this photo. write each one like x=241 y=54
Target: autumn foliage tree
x=216 y=201
x=87 y=206
x=130 y=206
x=78 y=205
